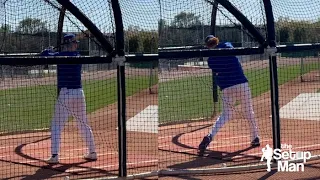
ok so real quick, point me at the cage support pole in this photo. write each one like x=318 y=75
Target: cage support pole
x=122 y=135
x=214 y=84
x=120 y=59
x=272 y=50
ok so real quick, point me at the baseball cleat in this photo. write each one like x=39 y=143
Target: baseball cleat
x=204 y=144
x=54 y=159
x=255 y=142
x=91 y=156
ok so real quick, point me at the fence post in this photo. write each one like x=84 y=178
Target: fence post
x=274 y=98
x=121 y=86
x=122 y=137
x=272 y=50
x=213 y=32
x=151 y=77
x=214 y=94
x=318 y=53
x=301 y=69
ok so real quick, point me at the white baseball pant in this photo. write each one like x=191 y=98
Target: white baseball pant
x=70 y=102
x=230 y=95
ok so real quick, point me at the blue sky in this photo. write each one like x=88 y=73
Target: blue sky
x=146 y=13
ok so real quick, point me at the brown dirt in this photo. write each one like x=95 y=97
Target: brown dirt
x=311 y=172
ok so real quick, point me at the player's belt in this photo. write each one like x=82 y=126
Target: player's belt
x=73 y=87
x=77 y=87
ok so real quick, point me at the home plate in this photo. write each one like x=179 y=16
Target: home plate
x=305 y=106
x=145 y=121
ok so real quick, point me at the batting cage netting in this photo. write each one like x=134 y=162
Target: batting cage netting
x=50 y=105
x=134 y=89
x=208 y=103
x=299 y=75
x=141 y=39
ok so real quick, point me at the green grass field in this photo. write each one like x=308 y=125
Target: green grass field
x=191 y=97
x=32 y=107
x=181 y=99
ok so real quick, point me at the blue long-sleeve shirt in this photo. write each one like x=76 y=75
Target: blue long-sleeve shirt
x=69 y=75
x=227 y=69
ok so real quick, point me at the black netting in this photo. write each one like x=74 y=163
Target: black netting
x=295 y=24
x=34 y=107
x=298 y=97
x=187 y=23
x=141 y=37
x=30 y=27
x=140 y=26
x=172 y=95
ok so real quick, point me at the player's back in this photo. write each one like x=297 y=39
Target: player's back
x=227 y=69
x=69 y=75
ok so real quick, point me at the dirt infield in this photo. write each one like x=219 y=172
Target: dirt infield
x=231 y=146
x=22 y=156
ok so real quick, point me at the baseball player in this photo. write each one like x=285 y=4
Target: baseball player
x=231 y=80
x=71 y=101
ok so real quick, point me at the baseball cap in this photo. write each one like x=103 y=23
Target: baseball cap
x=68 y=38
x=211 y=41
x=208 y=38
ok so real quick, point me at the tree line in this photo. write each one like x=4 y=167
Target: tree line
x=187 y=29
x=32 y=34
x=141 y=41
x=289 y=31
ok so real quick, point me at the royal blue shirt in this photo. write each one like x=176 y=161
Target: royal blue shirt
x=227 y=69
x=69 y=75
